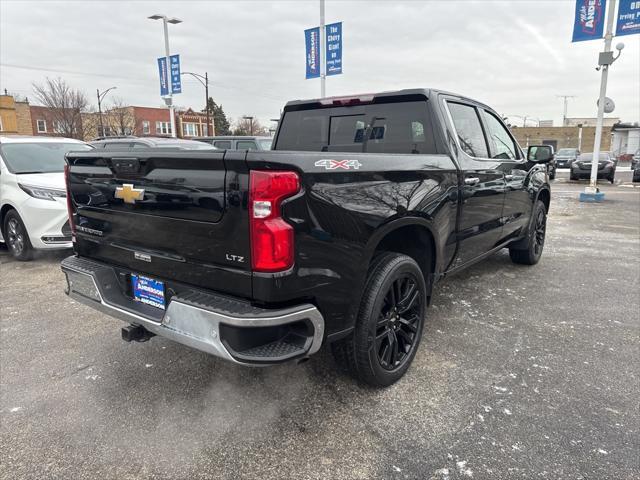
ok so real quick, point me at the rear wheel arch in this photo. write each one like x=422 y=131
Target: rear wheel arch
x=412 y=237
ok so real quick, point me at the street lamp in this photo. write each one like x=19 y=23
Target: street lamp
x=169 y=101
x=250 y=124
x=100 y=98
x=204 y=80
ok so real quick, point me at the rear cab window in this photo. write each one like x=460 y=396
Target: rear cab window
x=246 y=145
x=222 y=144
x=398 y=127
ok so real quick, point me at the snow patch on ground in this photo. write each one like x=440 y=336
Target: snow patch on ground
x=462 y=468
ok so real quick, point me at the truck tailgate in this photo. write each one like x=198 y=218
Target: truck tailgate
x=177 y=215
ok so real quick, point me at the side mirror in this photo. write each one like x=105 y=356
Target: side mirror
x=540 y=153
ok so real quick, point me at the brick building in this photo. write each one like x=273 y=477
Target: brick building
x=15 y=116
x=145 y=121
x=151 y=121
x=562 y=137
x=193 y=124
x=23 y=118
x=8 y=119
x=52 y=123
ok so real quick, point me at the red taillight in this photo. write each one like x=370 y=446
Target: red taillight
x=271 y=236
x=72 y=223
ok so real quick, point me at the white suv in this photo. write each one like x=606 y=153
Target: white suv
x=33 y=205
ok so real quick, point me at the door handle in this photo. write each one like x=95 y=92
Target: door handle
x=471 y=181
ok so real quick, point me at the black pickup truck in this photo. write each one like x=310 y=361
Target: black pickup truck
x=336 y=236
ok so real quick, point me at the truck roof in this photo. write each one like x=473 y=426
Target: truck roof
x=371 y=97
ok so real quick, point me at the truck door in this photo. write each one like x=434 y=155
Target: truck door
x=517 y=201
x=482 y=185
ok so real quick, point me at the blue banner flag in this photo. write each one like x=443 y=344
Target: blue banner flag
x=176 y=84
x=589 y=20
x=312 y=44
x=628 y=21
x=334 y=48
x=162 y=70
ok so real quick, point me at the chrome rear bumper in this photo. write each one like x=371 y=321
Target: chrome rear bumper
x=225 y=327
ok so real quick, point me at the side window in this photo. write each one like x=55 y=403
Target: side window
x=246 y=145
x=469 y=129
x=139 y=145
x=501 y=143
x=222 y=144
x=116 y=145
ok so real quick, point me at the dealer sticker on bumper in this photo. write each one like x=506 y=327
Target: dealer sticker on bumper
x=147 y=290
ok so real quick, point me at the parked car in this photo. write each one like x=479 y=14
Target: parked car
x=334 y=239
x=566 y=156
x=33 y=205
x=636 y=172
x=552 y=166
x=238 y=142
x=149 y=142
x=635 y=160
x=581 y=168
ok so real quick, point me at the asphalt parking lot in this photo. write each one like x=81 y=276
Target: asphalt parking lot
x=523 y=372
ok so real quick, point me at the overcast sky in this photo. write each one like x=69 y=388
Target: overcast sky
x=513 y=55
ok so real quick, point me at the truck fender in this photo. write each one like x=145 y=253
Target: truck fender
x=388 y=228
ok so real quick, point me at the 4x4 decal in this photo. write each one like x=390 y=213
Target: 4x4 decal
x=335 y=164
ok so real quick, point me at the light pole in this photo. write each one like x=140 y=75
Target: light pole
x=250 y=124
x=605 y=59
x=100 y=98
x=204 y=80
x=323 y=53
x=169 y=100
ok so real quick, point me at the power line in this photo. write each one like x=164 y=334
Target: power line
x=267 y=95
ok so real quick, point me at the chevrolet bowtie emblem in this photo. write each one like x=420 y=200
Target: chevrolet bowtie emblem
x=129 y=194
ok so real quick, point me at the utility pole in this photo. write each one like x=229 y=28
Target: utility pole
x=250 y=124
x=605 y=59
x=169 y=98
x=100 y=98
x=566 y=102
x=323 y=53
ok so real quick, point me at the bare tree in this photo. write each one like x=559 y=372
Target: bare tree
x=249 y=126
x=65 y=105
x=120 y=118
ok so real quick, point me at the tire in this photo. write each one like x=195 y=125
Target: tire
x=612 y=179
x=552 y=176
x=573 y=177
x=16 y=237
x=388 y=331
x=532 y=247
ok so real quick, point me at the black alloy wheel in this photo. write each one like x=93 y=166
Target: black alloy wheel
x=389 y=323
x=540 y=230
x=529 y=250
x=398 y=322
